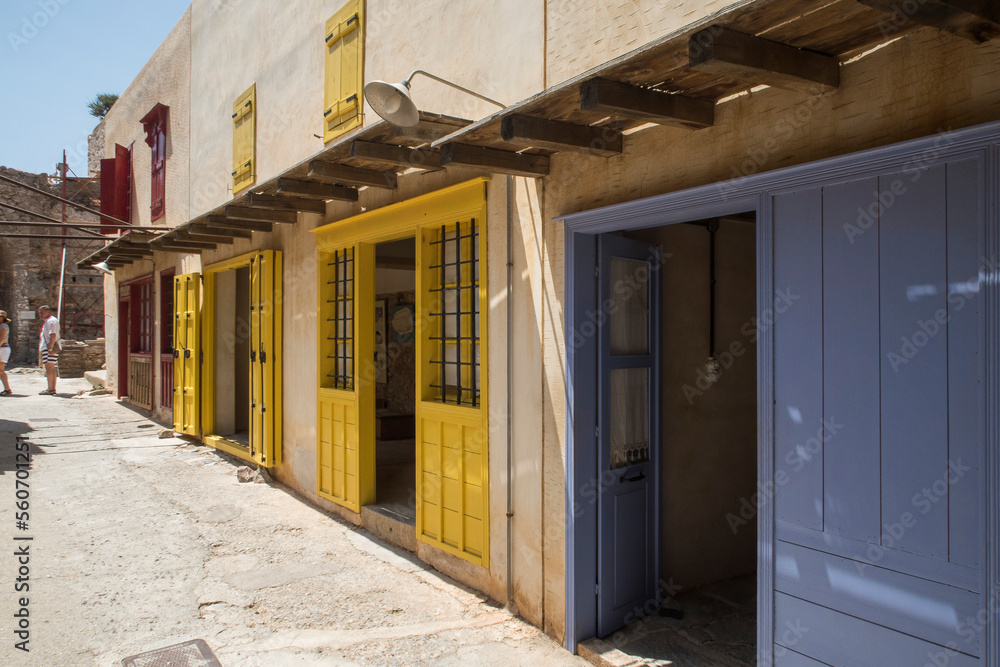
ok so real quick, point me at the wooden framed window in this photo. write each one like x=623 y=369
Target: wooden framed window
x=244 y=139
x=337 y=310
x=454 y=311
x=344 y=78
x=155 y=125
x=141 y=313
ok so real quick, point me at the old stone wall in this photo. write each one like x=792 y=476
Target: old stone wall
x=95 y=150
x=30 y=268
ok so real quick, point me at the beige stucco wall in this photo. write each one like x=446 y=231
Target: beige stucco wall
x=164 y=79
x=927 y=83
x=581 y=35
x=493 y=48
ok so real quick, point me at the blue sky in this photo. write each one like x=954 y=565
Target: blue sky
x=55 y=56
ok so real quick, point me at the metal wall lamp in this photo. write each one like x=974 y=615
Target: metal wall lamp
x=392 y=101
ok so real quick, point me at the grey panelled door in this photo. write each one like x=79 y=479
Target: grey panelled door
x=628 y=418
x=879 y=419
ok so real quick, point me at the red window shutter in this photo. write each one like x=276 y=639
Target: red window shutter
x=155 y=125
x=108 y=189
x=123 y=183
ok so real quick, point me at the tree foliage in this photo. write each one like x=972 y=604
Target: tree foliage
x=101 y=104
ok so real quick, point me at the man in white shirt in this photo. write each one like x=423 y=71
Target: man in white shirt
x=48 y=343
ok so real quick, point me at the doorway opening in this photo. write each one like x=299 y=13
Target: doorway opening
x=395 y=381
x=232 y=355
x=707 y=464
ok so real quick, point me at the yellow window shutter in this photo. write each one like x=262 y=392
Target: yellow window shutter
x=187 y=353
x=344 y=43
x=265 y=357
x=244 y=139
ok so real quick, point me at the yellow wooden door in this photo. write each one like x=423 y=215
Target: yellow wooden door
x=187 y=353
x=452 y=453
x=346 y=394
x=265 y=357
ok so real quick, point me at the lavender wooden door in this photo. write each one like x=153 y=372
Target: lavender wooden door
x=628 y=419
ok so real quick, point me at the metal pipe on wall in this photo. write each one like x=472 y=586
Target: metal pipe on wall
x=511 y=605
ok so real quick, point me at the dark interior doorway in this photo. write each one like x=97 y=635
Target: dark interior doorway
x=232 y=355
x=708 y=457
x=395 y=378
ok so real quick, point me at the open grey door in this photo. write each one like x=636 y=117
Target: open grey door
x=628 y=425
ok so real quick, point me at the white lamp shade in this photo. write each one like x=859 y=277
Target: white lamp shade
x=392 y=102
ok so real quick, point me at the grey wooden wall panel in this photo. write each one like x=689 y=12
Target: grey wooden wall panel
x=965 y=374
x=942 y=571
x=914 y=397
x=784 y=657
x=798 y=334
x=901 y=602
x=851 y=458
x=845 y=641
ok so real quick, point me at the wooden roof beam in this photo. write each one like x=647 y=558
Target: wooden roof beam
x=218 y=221
x=183 y=243
x=492 y=159
x=724 y=52
x=188 y=235
x=400 y=156
x=554 y=135
x=645 y=104
x=260 y=215
x=283 y=203
x=167 y=245
x=205 y=229
x=356 y=176
x=978 y=20
x=315 y=190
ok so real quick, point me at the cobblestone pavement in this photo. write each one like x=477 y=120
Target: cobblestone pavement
x=140 y=543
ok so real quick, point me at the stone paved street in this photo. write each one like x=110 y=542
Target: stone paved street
x=141 y=542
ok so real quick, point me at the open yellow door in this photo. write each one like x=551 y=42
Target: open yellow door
x=265 y=357
x=187 y=353
x=346 y=394
x=452 y=453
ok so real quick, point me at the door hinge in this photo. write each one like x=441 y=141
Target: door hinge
x=253 y=355
x=597 y=589
x=263 y=357
x=597 y=432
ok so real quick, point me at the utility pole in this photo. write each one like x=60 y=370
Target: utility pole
x=62 y=272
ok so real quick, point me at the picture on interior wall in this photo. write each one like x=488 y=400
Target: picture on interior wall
x=380 y=358
x=402 y=324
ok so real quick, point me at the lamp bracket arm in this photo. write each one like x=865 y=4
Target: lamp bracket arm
x=406 y=82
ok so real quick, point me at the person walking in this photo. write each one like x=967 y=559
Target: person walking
x=49 y=347
x=4 y=352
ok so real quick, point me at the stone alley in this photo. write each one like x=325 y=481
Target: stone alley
x=140 y=542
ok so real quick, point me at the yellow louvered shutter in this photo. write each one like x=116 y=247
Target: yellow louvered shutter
x=265 y=357
x=187 y=353
x=344 y=39
x=244 y=139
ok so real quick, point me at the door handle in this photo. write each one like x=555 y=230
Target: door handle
x=187 y=353
x=623 y=479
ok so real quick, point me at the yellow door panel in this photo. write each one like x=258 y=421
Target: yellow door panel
x=187 y=364
x=346 y=393
x=265 y=357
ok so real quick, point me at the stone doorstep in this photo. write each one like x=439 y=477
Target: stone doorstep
x=601 y=653
x=390 y=527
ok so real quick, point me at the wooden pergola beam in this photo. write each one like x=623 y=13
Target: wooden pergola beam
x=184 y=243
x=356 y=176
x=977 y=20
x=555 y=135
x=164 y=246
x=645 y=104
x=219 y=221
x=282 y=203
x=492 y=159
x=189 y=235
x=724 y=52
x=261 y=215
x=400 y=156
x=315 y=190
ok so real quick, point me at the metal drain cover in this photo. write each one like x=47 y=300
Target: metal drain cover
x=194 y=653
